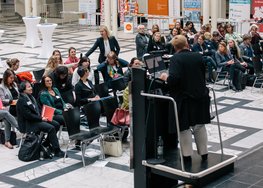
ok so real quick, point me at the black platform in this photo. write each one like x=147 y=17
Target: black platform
x=197 y=172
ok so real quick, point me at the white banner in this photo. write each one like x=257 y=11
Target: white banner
x=174 y=11
x=239 y=13
x=89 y=7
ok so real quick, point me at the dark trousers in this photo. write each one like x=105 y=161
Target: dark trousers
x=59 y=119
x=234 y=68
x=48 y=128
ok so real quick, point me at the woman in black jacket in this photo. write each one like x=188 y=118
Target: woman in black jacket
x=84 y=89
x=29 y=116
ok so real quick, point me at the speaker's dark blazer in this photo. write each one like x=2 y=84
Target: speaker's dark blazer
x=114 y=46
x=187 y=86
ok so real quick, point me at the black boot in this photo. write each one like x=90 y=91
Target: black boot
x=231 y=85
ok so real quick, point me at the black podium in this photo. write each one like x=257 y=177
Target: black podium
x=150 y=118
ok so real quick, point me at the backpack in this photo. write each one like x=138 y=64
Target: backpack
x=30 y=148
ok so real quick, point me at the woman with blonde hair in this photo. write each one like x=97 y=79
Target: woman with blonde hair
x=52 y=64
x=106 y=43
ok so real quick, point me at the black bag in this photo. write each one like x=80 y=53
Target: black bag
x=30 y=148
x=251 y=80
x=12 y=137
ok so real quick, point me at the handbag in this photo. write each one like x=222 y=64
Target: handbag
x=121 y=117
x=112 y=146
x=30 y=148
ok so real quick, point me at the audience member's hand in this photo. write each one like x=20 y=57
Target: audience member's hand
x=244 y=64
x=44 y=119
x=230 y=62
x=164 y=76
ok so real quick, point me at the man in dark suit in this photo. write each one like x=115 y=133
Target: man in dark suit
x=187 y=85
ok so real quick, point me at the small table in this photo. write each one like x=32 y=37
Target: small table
x=46 y=30
x=32 y=38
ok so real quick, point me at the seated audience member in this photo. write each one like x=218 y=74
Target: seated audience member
x=57 y=54
x=191 y=27
x=61 y=79
x=230 y=34
x=135 y=63
x=207 y=53
x=172 y=34
x=225 y=62
x=52 y=64
x=9 y=121
x=83 y=62
x=235 y=51
x=29 y=116
x=84 y=89
x=111 y=68
x=246 y=51
x=9 y=92
x=216 y=38
x=72 y=59
x=156 y=43
x=50 y=96
x=13 y=65
x=221 y=30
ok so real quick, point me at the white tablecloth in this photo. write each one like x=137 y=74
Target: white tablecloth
x=32 y=38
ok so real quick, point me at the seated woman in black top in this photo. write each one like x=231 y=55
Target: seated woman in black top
x=156 y=43
x=84 y=89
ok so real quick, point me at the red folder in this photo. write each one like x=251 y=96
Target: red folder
x=48 y=112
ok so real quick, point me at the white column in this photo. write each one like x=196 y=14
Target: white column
x=223 y=9
x=214 y=15
x=206 y=11
x=34 y=7
x=107 y=13
x=114 y=18
x=27 y=8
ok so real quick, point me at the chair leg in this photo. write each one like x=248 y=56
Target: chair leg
x=21 y=140
x=66 y=151
x=82 y=153
x=60 y=131
x=102 y=154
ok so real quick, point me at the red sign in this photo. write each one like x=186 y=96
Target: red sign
x=257 y=11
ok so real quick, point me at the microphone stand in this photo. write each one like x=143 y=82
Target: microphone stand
x=154 y=160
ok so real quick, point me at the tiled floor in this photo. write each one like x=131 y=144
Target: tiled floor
x=241 y=117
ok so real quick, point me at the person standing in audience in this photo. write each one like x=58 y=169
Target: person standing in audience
x=106 y=44
x=50 y=96
x=83 y=62
x=141 y=41
x=186 y=82
x=72 y=59
x=52 y=64
x=57 y=54
x=9 y=92
x=84 y=89
x=111 y=68
x=61 y=79
x=257 y=45
x=29 y=116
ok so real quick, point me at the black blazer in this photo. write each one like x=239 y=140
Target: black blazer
x=187 y=86
x=114 y=46
x=27 y=113
x=83 y=92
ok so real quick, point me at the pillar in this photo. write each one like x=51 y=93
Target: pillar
x=28 y=8
x=34 y=7
x=214 y=15
x=114 y=19
x=206 y=11
x=107 y=13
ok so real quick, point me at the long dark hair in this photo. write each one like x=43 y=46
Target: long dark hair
x=43 y=86
x=6 y=75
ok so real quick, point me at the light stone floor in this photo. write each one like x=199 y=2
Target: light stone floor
x=240 y=114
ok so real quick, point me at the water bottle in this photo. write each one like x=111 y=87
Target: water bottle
x=41 y=158
x=160 y=148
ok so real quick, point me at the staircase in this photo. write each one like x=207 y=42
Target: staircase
x=8 y=15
